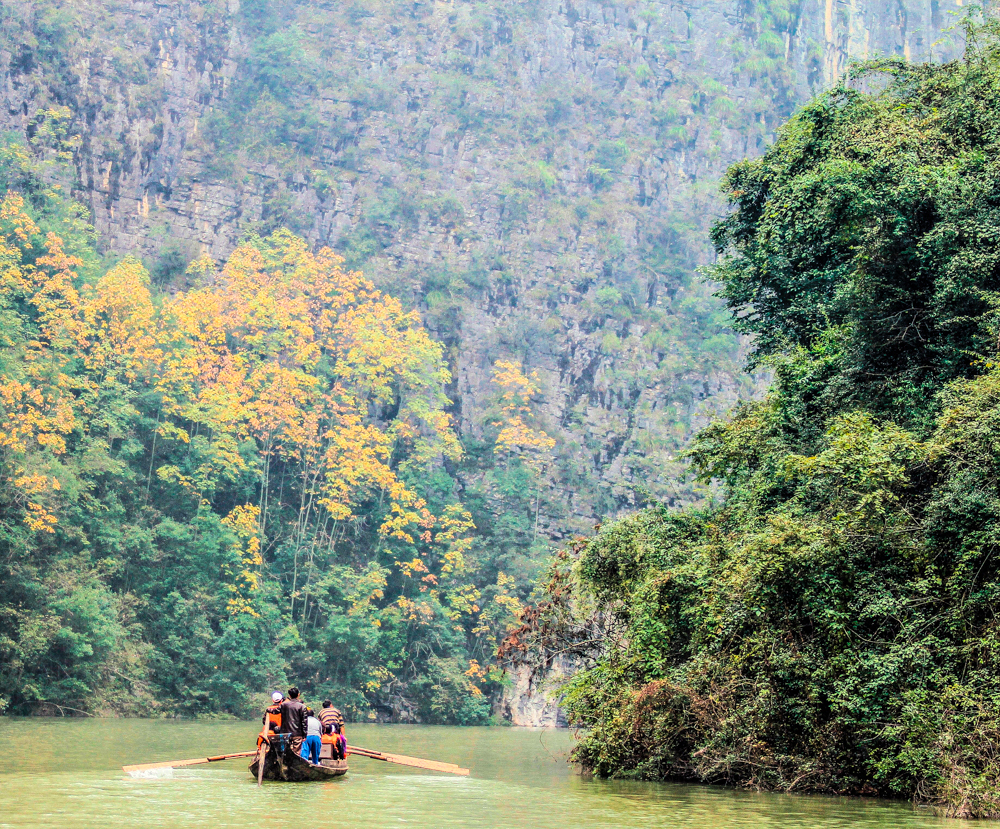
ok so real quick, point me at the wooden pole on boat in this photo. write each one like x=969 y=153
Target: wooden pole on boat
x=261 y=754
x=403 y=760
x=169 y=764
x=262 y=746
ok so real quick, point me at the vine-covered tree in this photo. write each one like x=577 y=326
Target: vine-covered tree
x=832 y=624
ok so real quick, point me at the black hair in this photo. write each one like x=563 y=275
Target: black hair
x=293 y=693
x=327 y=703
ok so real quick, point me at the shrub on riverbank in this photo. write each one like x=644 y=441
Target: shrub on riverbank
x=832 y=625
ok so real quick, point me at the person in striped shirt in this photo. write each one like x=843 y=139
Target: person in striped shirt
x=333 y=723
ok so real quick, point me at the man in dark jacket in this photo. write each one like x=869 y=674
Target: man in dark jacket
x=293 y=719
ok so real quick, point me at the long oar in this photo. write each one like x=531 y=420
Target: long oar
x=403 y=760
x=382 y=755
x=169 y=764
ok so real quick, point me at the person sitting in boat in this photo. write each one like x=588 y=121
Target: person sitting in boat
x=333 y=727
x=272 y=718
x=313 y=744
x=293 y=719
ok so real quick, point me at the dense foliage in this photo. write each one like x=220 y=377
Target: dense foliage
x=209 y=492
x=832 y=624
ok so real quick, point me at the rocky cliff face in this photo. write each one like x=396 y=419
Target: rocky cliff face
x=537 y=177
x=532 y=697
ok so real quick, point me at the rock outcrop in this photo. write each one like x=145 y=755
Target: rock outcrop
x=532 y=698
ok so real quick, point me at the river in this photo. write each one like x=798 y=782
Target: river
x=66 y=773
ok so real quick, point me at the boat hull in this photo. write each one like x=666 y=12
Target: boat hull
x=289 y=767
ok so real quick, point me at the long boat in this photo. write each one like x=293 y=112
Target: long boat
x=281 y=763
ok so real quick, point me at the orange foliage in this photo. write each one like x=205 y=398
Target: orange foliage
x=516 y=435
x=243 y=521
x=120 y=325
x=282 y=356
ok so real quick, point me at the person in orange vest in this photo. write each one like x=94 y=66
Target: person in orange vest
x=272 y=717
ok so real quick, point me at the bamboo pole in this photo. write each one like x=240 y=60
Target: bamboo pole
x=404 y=760
x=169 y=764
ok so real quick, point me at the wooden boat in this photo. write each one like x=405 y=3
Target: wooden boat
x=281 y=763
x=275 y=760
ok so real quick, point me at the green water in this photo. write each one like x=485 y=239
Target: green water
x=66 y=774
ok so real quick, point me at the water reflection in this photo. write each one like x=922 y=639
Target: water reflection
x=66 y=774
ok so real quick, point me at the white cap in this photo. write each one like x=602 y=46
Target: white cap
x=277 y=696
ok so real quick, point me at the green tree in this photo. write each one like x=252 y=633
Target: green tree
x=830 y=625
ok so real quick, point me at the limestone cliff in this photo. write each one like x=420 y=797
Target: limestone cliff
x=537 y=177
x=532 y=697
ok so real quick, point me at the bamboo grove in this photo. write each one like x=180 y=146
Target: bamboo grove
x=210 y=490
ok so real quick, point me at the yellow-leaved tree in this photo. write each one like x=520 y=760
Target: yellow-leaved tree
x=517 y=437
x=285 y=367
x=39 y=316
x=253 y=476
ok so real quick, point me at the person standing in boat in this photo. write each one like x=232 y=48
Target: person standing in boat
x=333 y=724
x=293 y=719
x=313 y=744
